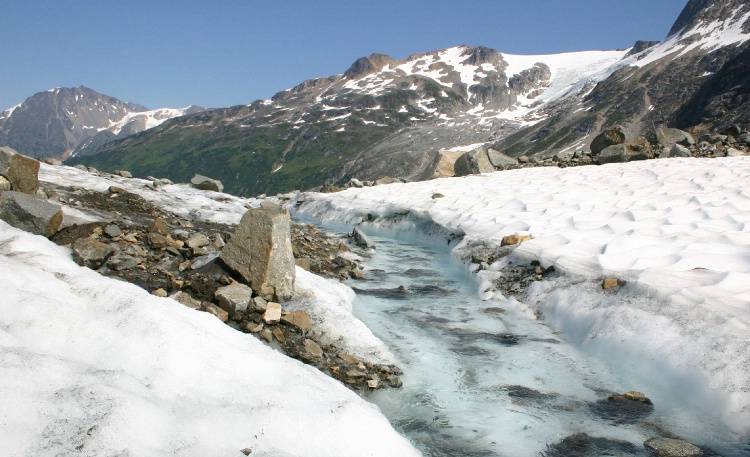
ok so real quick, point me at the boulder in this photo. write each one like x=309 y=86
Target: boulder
x=312 y=350
x=384 y=180
x=732 y=152
x=91 y=253
x=512 y=240
x=678 y=150
x=362 y=240
x=186 y=299
x=124 y=173
x=22 y=172
x=668 y=137
x=260 y=250
x=29 y=213
x=272 y=314
x=500 y=160
x=216 y=311
x=473 y=162
x=445 y=162
x=670 y=447
x=205 y=183
x=609 y=137
x=299 y=319
x=744 y=138
x=4 y=184
x=234 y=297
x=639 y=149
x=52 y=161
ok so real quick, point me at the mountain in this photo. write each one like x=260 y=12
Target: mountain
x=68 y=121
x=391 y=117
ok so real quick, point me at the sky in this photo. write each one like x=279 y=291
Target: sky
x=172 y=53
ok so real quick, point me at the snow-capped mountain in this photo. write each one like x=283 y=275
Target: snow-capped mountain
x=390 y=117
x=57 y=122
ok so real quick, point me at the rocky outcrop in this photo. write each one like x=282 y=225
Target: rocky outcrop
x=30 y=213
x=21 y=172
x=260 y=250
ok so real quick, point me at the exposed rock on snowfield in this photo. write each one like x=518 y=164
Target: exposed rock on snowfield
x=30 y=213
x=205 y=183
x=21 y=172
x=260 y=250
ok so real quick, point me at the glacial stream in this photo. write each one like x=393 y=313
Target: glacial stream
x=482 y=381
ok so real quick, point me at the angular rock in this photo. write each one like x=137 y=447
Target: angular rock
x=117 y=190
x=186 y=299
x=609 y=137
x=444 y=163
x=259 y=304
x=91 y=253
x=260 y=250
x=159 y=292
x=234 y=297
x=473 y=162
x=112 y=230
x=205 y=183
x=732 y=152
x=279 y=334
x=312 y=350
x=304 y=263
x=4 y=184
x=198 y=240
x=511 y=240
x=216 y=311
x=124 y=173
x=500 y=160
x=122 y=262
x=22 y=172
x=384 y=180
x=669 y=447
x=638 y=149
x=29 y=213
x=299 y=319
x=610 y=283
x=272 y=314
x=266 y=334
x=52 y=161
x=668 y=137
x=744 y=138
x=158 y=226
x=362 y=240
x=678 y=150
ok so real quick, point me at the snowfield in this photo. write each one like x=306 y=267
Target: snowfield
x=96 y=366
x=677 y=230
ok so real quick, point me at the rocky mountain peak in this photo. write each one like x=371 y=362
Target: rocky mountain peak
x=367 y=65
x=478 y=55
x=703 y=12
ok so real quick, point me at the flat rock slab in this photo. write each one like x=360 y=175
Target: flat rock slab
x=299 y=319
x=272 y=314
x=29 y=213
x=234 y=297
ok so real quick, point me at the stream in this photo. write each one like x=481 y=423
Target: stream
x=483 y=381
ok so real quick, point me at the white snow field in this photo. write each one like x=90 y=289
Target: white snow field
x=677 y=230
x=96 y=366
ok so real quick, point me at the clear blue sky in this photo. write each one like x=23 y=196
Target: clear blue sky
x=173 y=53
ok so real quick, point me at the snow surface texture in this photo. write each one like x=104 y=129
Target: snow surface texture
x=97 y=366
x=677 y=230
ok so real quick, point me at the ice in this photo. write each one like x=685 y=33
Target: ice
x=94 y=363
x=676 y=230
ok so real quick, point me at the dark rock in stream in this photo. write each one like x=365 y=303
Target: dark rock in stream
x=583 y=445
x=623 y=409
x=523 y=393
x=396 y=293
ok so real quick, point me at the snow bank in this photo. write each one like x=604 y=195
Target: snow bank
x=97 y=366
x=677 y=230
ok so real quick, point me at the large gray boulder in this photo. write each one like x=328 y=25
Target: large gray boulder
x=668 y=137
x=500 y=160
x=29 y=213
x=260 y=250
x=362 y=240
x=609 y=137
x=22 y=172
x=639 y=149
x=444 y=163
x=678 y=150
x=205 y=183
x=473 y=162
x=234 y=298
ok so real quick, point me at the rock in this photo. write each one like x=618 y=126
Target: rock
x=638 y=149
x=610 y=283
x=247 y=451
x=668 y=137
x=186 y=299
x=732 y=152
x=267 y=335
x=91 y=253
x=117 y=190
x=362 y=240
x=22 y=172
x=122 y=262
x=678 y=150
x=259 y=304
x=312 y=350
x=609 y=137
x=304 y=263
x=4 y=184
x=384 y=180
x=158 y=226
x=299 y=319
x=112 y=230
x=216 y=311
x=669 y=447
x=523 y=159
x=354 y=182
x=348 y=358
x=272 y=314
x=732 y=130
x=198 y=240
x=511 y=240
x=234 y=297
x=744 y=138
x=29 y=213
x=157 y=241
x=473 y=162
x=633 y=396
x=205 y=183
x=52 y=161
x=279 y=334
x=124 y=173
x=159 y=292
x=437 y=195
x=444 y=163
x=218 y=242
x=260 y=250
x=500 y=160
x=357 y=274
x=373 y=383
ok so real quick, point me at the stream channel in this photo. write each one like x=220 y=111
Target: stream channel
x=481 y=381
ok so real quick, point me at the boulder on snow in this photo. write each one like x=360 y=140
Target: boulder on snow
x=205 y=183
x=500 y=160
x=668 y=137
x=609 y=137
x=22 y=172
x=29 y=213
x=473 y=162
x=260 y=250
x=234 y=297
x=678 y=150
x=638 y=149
x=92 y=253
x=444 y=164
